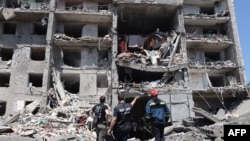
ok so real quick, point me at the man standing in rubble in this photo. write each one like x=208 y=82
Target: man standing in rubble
x=102 y=111
x=157 y=113
x=120 y=125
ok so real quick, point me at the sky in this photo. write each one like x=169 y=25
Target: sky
x=242 y=11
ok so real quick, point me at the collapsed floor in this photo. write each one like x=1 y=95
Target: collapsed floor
x=66 y=119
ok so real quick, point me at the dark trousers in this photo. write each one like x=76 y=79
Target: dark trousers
x=120 y=135
x=101 y=132
x=158 y=132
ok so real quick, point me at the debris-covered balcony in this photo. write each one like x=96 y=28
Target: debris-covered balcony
x=170 y=2
x=25 y=9
x=98 y=11
x=213 y=62
x=83 y=35
x=205 y=12
x=156 y=52
x=208 y=37
x=137 y=81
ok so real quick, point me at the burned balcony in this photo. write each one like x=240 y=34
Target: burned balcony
x=157 y=52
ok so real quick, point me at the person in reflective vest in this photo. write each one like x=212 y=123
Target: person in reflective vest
x=157 y=113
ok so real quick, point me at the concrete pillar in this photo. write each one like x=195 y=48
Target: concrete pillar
x=236 y=41
x=87 y=84
x=47 y=70
x=59 y=28
x=89 y=57
x=23 y=28
x=90 y=30
x=180 y=103
x=114 y=76
x=51 y=22
x=90 y=5
x=60 y=4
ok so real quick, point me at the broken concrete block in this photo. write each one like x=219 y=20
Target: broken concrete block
x=8 y=13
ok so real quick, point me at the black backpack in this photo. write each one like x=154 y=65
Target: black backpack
x=98 y=114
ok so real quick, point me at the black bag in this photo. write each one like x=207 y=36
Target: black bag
x=98 y=115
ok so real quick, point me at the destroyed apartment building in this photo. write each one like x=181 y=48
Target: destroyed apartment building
x=77 y=50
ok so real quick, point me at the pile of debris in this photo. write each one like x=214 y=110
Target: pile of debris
x=208 y=127
x=64 y=120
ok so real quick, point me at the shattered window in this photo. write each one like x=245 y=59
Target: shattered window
x=207 y=10
x=217 y=81
x=5 y=79
x=35 y=80
x=9 y=28
x=37 y=54
x=6 y=54
x=212 y=56
x=40 y=29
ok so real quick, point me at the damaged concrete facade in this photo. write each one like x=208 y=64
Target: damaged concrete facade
x=188 y=50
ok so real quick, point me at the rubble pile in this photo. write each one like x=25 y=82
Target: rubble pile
x=239 y=115
x=64 y=120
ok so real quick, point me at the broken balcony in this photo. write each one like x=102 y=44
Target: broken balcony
x=157 y=52
x=84 y=11
x=167 y=2
x=138 y=81
x=208 y=41
x=205 y=13
x=83 y=35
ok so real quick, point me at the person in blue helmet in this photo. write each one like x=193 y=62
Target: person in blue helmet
x=157 y=113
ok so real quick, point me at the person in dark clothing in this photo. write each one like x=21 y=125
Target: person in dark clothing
x=121 y=120
x=103 y=116
x=158 y=114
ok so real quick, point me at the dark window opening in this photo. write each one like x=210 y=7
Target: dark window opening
x=103 y=30
x=37 y=54
x=40 y=29
x=102 y=6
x=212 y=56
x=36 y=80
x=73 y=5
x=73 y=30
x=9 y=28
x=210 y=31
x=2 y=107
x=42 y=0
x=131 y=75
x=72 y=57
x=102 y=80
x=4 y=79
x=157 y=17
x=13 y=3
x=71 y=82
x=217 y=81
x=6 y=53
x=207 y=10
